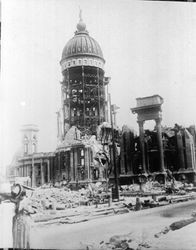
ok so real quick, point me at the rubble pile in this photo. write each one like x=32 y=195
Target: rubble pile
x=62 y=198
x=57 y=198
x=154 y=187
x=148 y=187
x=132 y=188
x=47 y=200
x=124 y=242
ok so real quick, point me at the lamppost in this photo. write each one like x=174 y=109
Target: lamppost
x=114 y=109
x=114 y=153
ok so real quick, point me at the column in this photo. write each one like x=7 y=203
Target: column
x=42 y=173
x=71 y=165
x=48 y=166
x=114 y=116
x=86 y=163
x=33 y=184
x=89 y=164
x=180 y=150
x=160 y=144
x=28 y=175
x=131 y=149
x=28 y=170
x=67 y=164
x=141 y=134
x=59 y=166
x=75 y=165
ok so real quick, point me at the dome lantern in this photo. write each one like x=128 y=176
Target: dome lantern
x=81 y=26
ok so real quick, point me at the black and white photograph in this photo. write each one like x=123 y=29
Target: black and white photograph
x=98 y=124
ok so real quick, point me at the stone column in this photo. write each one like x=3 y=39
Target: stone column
x=26 y=172
x=160 y=144
x=42 y=173
x=86 y=162
x=142 y=145
x=181 y=159
x=22 y=170
x=59 y=166
x=114 y=117
x=33 y=183
x=76 y=163
x=71 y=166
x=48 y=167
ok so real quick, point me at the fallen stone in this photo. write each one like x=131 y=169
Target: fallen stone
x=193 y=214
x=133 y=245
x=182 y=223
x=143 y=245
x=164 y=231
x=60 y=207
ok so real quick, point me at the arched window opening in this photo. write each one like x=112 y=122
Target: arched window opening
x=34 y=148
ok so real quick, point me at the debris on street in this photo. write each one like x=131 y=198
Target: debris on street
x=64 y=205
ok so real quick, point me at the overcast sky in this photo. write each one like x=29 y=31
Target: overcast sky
x=149 y=48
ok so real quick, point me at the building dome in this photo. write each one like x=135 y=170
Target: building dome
x=82 y=46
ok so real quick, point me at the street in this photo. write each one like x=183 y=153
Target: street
x=142 y=226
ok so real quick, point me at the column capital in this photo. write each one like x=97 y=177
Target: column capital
x=158 y=120
x=140 y=123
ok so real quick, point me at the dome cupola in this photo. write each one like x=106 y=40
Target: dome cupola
x=82 y=49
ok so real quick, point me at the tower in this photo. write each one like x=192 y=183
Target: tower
x=83 y=87
x=29 y=139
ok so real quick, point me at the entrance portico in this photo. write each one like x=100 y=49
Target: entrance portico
x=149 y=108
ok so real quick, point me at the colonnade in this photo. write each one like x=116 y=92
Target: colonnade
x=74 y=164
x=160 y=144
x=30 y=169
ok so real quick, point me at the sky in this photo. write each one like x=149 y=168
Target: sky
x=149 y=48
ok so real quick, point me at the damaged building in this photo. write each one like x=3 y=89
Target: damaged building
x=83 y=132
x=88 y=148
x=84 y=107
x=159 y=153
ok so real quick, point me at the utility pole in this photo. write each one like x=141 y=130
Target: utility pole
x=114 y=153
